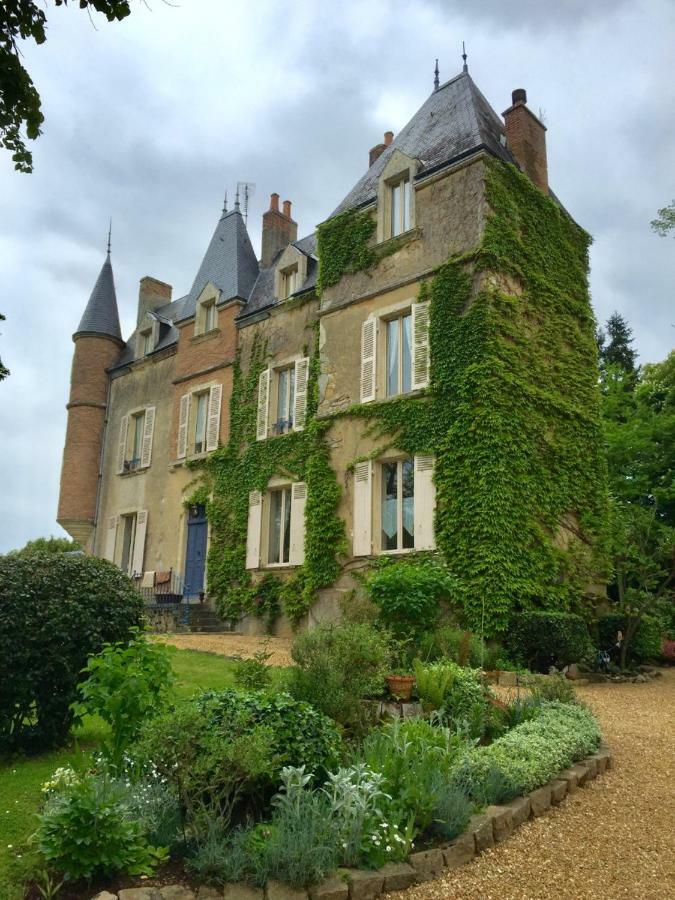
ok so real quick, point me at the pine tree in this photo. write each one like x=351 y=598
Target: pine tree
x=615 y=345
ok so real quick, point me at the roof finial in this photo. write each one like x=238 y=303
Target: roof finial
x=109 y=234
x=236 y=199
x=225 y=204
x=436 y=81
x=465 y=68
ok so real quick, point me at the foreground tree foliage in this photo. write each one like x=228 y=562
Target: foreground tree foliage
x=20 y=108
x=55 y=611
x=47 y=545
x=665 y=221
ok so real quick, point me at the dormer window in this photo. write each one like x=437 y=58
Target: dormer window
x=210 y=319
x=147 y=341
x=206 y=313
x=400 y=206
x=289 y=282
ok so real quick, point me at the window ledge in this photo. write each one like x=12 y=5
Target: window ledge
x=279 y=566
x=392 y=244
x=139 y=471
x=193 y=457
x=204 y=336
x=395 y=552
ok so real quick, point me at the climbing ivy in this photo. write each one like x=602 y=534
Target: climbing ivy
x=342 y=246
x=245 y=464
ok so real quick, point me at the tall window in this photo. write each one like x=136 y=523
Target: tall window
x=399 y=355
x=202 y=401
x=128 y=536
x=280 y=526
x=400 y=207
x=289 y=282
x=137 y=440
x=210 y=320
x=398 y=505
x=285 y=399
x=147 y=342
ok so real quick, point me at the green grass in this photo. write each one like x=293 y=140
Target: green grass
x=21 y=779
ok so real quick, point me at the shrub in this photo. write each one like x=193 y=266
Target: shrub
x=433 y=683
x=541 y=639
x=532 y=753
x=55 y=611
x=125 y=685
x=254 y=674
x=553 y=687
x=336 y=667
x=466 y=698
x=86 y=830
x=463 y=647
x=409 y=595
x=218 y=856
x=452 y=809
x=646 y=643
x=411 y=755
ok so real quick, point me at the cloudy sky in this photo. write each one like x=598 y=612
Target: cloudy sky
x=150 y=120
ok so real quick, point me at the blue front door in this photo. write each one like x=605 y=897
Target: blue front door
x=195 y=556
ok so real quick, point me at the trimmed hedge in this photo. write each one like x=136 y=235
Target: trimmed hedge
x=542 y=639
x=646 y=643
x=55 y=611
x=533 y=753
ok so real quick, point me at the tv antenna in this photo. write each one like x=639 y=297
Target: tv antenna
x=245 y=190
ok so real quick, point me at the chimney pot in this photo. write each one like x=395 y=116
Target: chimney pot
x=518 y=96
x=274 y=202
x=278 y=230
x=388 y=138
x=287 y=208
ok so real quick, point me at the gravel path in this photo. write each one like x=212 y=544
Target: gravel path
x=232 y=645
x=612 y=839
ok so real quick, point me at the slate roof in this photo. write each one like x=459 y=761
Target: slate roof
x=453 y=122
x=262 y=295
x=100 y=314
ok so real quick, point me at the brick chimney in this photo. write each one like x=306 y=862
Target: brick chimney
x=526 y=139
x=152 y=293
x=278 y=230
x=379 y=149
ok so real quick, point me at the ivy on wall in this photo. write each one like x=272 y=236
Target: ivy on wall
x=512 y=415
x=246 y=464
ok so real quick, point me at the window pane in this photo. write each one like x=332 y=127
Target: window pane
x=396 y=209
x=406 y=354
x=389 y=506
x=408 y=489
x=287 y=524
x=139 y=422
x=200 y=423
x=291 y=396
x=275 y=526
x=282 y=400
x=392 y=357
x=406 y=204
x=127 y=541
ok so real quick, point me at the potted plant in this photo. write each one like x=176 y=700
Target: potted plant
x=400 y=681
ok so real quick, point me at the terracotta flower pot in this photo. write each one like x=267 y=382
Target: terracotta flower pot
x=400 y=686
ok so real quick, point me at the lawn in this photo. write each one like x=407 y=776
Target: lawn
x=22 y=778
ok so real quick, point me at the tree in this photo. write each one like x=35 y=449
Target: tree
x=20 y=107
x=615 y=344
x=644 y=566
x=665 y=221
x=47 y=545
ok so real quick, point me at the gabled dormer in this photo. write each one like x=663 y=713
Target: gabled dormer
x=396 y=196
x=206 y=311
x=290 y=272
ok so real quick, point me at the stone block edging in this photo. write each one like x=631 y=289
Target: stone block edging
x=494 y=825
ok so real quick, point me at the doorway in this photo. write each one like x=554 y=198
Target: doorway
x=195 y=554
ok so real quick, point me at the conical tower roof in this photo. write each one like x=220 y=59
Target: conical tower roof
x=101 y=315
x=229 y=262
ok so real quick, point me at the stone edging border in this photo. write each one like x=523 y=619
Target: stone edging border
x=485 y=830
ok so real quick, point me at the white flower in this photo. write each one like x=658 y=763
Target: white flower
x=388 y=849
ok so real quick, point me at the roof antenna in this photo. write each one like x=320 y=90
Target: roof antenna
x=465 y=68
x=436 y=81
x=225 y=204
x=248 y=189
x=236 y=199
x=109 y=234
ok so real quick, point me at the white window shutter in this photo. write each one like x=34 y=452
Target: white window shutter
x=263 y=404
x=420 y=329
x=296 y=556
x=213 y=424
x=368 y=360
x=254 y=528
x=139 y=542
x=425 y=503
x=148 y=432
x=183 y=416
x=363 y=508
x=301 y=384
x=122 y=445
x=110 y=539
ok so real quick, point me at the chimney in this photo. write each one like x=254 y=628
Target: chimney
x=152 y=294
x=526 y=139
x=278 y=231
x=379 y=149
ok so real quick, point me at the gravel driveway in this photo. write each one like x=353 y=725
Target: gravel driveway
x=612 y=839
x=232 y=645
